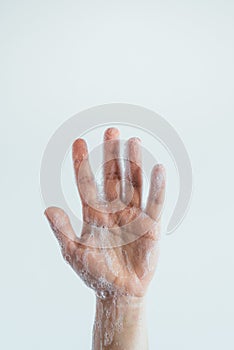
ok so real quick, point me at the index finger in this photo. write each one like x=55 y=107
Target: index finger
x=84 y=175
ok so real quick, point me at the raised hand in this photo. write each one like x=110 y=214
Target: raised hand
x=117 y=251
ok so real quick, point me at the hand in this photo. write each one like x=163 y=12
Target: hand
x=104 y=265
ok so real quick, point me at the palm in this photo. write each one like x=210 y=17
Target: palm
x=118 y=247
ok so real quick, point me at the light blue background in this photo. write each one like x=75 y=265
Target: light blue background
x=59 y=57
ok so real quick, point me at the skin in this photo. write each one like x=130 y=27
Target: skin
x=120 y=264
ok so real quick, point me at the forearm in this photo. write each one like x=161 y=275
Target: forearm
x=120 y=324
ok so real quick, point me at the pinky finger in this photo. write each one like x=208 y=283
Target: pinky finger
x=156 y=192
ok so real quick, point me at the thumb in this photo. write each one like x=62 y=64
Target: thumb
x=62 y=228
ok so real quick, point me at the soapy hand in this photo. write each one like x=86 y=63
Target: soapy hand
x=117 y=251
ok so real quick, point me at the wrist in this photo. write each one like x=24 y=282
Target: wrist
x=120 y=323
x=129 y=309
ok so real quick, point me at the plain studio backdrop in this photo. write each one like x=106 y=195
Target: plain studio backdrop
x=174 y=57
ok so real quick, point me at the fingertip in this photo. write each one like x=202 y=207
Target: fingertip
x=111 y=134
x=79 y=149
x=158 y=168
x=56 y=216
x=49 y=212
x=158 y=178
x=134 y=140
x=133 y=151
x=133 y=147
x=79 y=144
